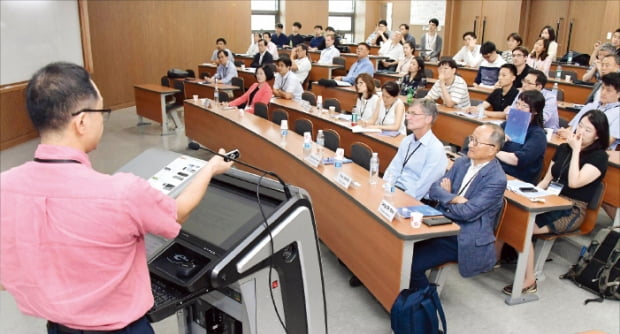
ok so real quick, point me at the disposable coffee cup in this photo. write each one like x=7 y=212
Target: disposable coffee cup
x=549 y=133
x=567 y=78
x=195 y=96
x=416 y=219
x=243 y=66
x=284 y=125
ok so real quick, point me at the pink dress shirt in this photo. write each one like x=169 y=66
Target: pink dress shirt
x=72 y=240
x=263 y=95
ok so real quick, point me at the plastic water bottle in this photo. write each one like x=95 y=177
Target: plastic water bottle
x=216 y=95
x=388 y=187
x=410 y=95
x=338 y=157
x=554 y=90
x=283 y=132
x=320 y=143
x=374 y=168
x=354 y=117
x=481 y=113
x=570 y=57
x=319 y=103
x=558 y=73
x=307 y=144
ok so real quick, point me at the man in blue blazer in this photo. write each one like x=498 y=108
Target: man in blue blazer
x=471 y=194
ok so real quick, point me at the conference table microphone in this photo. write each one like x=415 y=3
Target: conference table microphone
x=234 y=156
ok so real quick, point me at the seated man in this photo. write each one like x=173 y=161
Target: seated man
x=405 y=36
x=279 y=38
x=362 y=65
x=287 y=85
x=420 y=159
x=469 y=55
x=295 y=38
x=471 y=194
x=226 y=69
x=330 y=51
x=600 y=52
x=318 y=41
x=379 y=35
x=221 y=45
x=609 y=104
x=271 y=48
x=489 y=67
x=609 y=64
x=537 y=80
x=519 y=57
x=393 y=50
x=301 y=65
x=263 y=56
x=451 y=88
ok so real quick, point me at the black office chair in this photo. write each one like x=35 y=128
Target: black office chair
x=564 y=73
x=203 y=75
x=303 y=125
x=338 y=61
x=278 y=115
x=223 y=96
x=310 y=97
x=475 y=102
x=429 y=73
x=238 y=63
x=560 y=96
x=332 y=139
x=239 y=82
x=361 y=154
x=261 y=110
x=563 y=122
x=332 y=102
x=420 y=93
x=377 y=83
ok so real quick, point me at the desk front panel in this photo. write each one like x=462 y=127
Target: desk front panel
x=345 y=95
x=149 y=100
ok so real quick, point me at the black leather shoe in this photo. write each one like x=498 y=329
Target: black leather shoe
x=354 y=281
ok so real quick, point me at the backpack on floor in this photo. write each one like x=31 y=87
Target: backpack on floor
x=598 y=269
x=416 y=312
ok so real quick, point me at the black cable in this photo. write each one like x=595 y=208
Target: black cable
x=260 y=207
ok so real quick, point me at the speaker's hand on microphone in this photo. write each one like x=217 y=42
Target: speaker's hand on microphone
x=217 y=165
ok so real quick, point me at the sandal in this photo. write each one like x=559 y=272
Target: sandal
x=530 y=289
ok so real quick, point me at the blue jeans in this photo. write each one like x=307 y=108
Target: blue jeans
x=430 y=254
x=140 y=326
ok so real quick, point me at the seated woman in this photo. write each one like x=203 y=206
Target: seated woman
x=415 y=77
x=539 y=59
x=513 y=40
x=548 y=33
x=366 y=96
x=405 y=62
x=501 y=97
x=575 y=171
x=525 y=161
x=260 y=91
x=390 y=111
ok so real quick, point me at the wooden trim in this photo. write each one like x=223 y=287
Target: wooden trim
x=13 y=87
x=87 y=53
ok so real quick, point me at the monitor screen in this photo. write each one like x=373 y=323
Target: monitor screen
x=227 y=213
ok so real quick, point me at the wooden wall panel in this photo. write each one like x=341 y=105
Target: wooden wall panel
x=15 y=124
x=308 y=12
x=136 y=42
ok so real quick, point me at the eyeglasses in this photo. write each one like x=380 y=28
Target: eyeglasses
x=525 y=82
x=474 y=142
x=105 y=113
x=412 y=113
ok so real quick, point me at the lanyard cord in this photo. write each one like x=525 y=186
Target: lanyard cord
x=56 y=161
x=407 y=155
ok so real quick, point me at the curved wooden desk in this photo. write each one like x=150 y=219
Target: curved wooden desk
x=376 y=251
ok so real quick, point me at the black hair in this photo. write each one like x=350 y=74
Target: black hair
x=221 y=39
x=264 y=42
x=523 y=50
x=511 y=68
x=612 y=79
x=330 y=28
x=54 y=92
x=550 y=31
x=268 y=69
x=370 y=84
x=318 y=26
x=544 y=54
x=364 y=44
x=470 y=33
x=391 y=87
x=435 y=21
x=411 y=45
x=487 y=47
x=516 y=37
x=404 y=25
x=420 y=74
x=266 y=33
x=536 y=101
x=222 y=51
x=297 y=24
x=447 y=61
x=541 y=78
x=285 y=60
x=384 y=22
x=303 y=46
x=279 y=25
x=601 y=125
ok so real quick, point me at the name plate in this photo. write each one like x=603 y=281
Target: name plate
x=387 y=210
x=314 y=160
x=344 y=180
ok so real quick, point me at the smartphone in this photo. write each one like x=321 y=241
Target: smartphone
x=528 y=189
x=436 y=221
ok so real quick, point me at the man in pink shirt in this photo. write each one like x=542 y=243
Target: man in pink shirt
x=72 y=239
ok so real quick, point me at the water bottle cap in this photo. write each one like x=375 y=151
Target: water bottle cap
x=320 y=131
x=375 y=154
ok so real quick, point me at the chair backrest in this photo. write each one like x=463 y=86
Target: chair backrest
x=420 y=93
x=165 y=81
x=203 y=75
x=573 y=75
x=223 y=96
x=360 y=154
x=563 y=122
x=500 y=217
x=377 y=83
x=178 y=84
x=331 y=102
x=593 y=207
x=560 y=96
x=239 y=82
x=302 y=125
x=238 y=63
x=310 y=97
x=278 y=115
x=428 y=72
x=475 y=102
x=261 y=110
x=332 y=139
x=338 y=61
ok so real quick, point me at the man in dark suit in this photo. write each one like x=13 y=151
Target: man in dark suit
x=470 y=194
x=262 y=57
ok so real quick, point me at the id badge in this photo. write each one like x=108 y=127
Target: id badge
x=555 y=187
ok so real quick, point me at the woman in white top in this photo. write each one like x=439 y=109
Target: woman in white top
x=549 y=34
x=253 y=49
x=539 y=59
x=404 y=62
x=366 y=96
x=390 y=111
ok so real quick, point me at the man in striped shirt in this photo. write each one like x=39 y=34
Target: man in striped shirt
x=451 y=88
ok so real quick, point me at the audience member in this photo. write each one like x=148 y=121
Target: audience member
x=390 y=111
x=253 y=49
x=279 y=37
x=539 y=59
x=609 y=64
x=536 y=80
x=405 y=61
x=600 y=51
x=287 y=85
x=489 y=67
x=226 y=69
x=405 y=36
x=332 y=31
x=431 y=42
x=301 y=65
x=525 y=161
x=318 y=41
x=503 y=96
x=609 y=104
x=471 y=194
x=469 y=55
x=548 y=34
x=295 y=38
x=415 y=78
x=379 y=35
x=451 y=88
x=367 y=99
x=220 y=44
x=82 y=231
x=577 y=168
x=393 y=50
x=263 y=56
x=260 y=91
x=361 y=65
x=513 y=40
x=271 y=47
x=615 y=40
x=519 y=56
x=330 y=51
x=415 y=176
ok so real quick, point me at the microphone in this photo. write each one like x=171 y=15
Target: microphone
x=234 y=156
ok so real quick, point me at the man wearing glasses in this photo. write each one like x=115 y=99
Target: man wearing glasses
x=420 y=159
x=471 y=194
x=72 y=239
x=536 y=79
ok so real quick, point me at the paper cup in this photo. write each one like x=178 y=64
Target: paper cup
x=549 y=132
x=567 y=78
x=195 y=96
x=284 y=125
x=416 y=219
x=243 y=66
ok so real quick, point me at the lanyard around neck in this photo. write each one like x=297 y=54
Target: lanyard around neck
x=56 y=161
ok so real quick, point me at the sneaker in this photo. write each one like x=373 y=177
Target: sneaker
x=530 y=289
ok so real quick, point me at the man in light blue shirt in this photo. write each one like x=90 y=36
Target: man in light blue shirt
x=362 y=65
x=420 y=159
x=226 y=69
x=287 y=84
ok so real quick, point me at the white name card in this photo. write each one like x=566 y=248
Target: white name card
x=387 y=210
x=344 y=180
x=314 y=160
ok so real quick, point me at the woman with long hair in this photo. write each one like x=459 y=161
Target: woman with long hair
x=367 y=98
x=415 y=77
x=539 y=58
x=405 y=62
x=548 y=33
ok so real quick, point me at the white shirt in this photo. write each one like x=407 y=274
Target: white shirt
x=328 y=54
x=366 y=107
x=303 y=68
x=468 y=58
x=394 y=52
x=253 y=49
x=388 y=117
x=472 y=171
x=273 y=49
x=289 y=83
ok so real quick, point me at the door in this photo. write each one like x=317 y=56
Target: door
x=547 y=12
x=499 y=19
x=466 y=16
x=586 y=20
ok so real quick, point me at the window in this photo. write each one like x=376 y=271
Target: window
x=265 y=15
x=342 y=17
